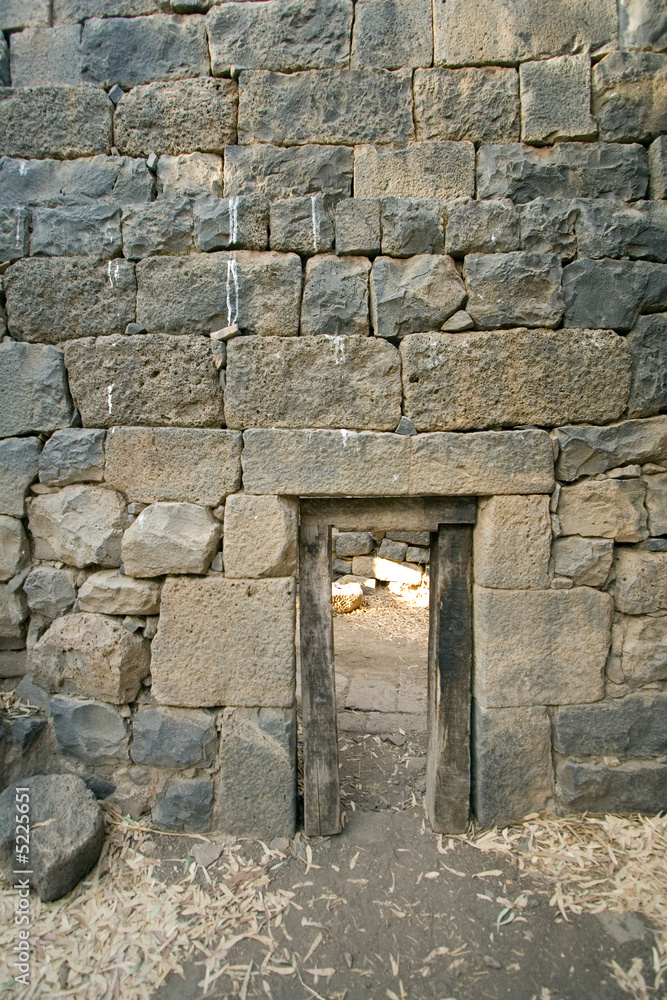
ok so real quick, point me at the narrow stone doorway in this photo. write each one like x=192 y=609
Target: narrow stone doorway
x=449 y=522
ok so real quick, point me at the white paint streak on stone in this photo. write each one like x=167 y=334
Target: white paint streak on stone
x=232 y=290
x=315 y=221
x=110 y=390
x=233 y=220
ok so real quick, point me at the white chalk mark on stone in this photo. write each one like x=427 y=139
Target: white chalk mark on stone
x=339 y=350
x=232 y=291
x=110 y=389
x=23 y=168
x=233 y=220
x=315 y=221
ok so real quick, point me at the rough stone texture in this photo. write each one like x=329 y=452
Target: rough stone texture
x=326 y=106
x=71 y=456
x=255 y=786
x=14 y=547
x=632 y=726
x=303 y=225
x=136 y=50
x=237 y=637
x=412 y=226
x=14 y=233
x=642 y=24
x=353 y=543
x=113 y=179
x=24 y=731
x=79 y=525
x=284 y=37
x=611 y=293
x=514 y=289
x=644 y=650
x=185 y=804
x=586 y=561
x=629 y=96
x=481 y=227
x=173 y=737
x=17 y=14
x=513 y=772
x=556 y=100
x=92 y=731
x=275 y=172
x=163 y=227
x=66 y=11
x=144 y=380
x=353 y=382
x=240 y=222
x=358 y=226
x=611 y=228
x=409 y=296
x=184 y=117
x=13 y=612
x=335 y=297
x=657 y=161
x=512 y=543
x=63 y=122
x=19 y=458
x=187 y=465
x=392 y=34
x=90 y=231
x=540 y=647
x=587 y=450
x=43 y=56
x=640 y=587
x=419 y=170
x=202 y=293
x=567 y=170
x=170 y=538
x=5 y=75
x=190 y=175
x=495 y=31
x=612 y=508
x=656 y=503
x=93 y=656
x=110 y=592
x=648 y=351
x=376 y=568
x=50 y=592
x=67 y=831
x=601 y=788
x=344 y=463
x=51 y=301
x=260 y=536
x=462 y=381
x=548 y=226
x=481 y=105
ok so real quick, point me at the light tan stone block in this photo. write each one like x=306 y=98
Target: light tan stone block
x=261 y=536
x=512 y=543
x=611 y=508
x=586 y=561
x=110 y=592
x=640 y=587
x=80 y=525
x=644 y=650
x=540 y=647
x=656 y=503
x=225 y=642
x=419 y=170
x=385 y=569
x=170 y=538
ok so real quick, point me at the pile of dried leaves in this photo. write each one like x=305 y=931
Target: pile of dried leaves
x=123 y=930
x=394 y=616
x=616 y=863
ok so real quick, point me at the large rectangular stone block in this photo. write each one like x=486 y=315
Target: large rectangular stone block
x=261 y=536
x=486 y=227
x=512 y=543
x=509 y=31
x=411 y=295
x=609 y=508
x=479 y=104
x=514 y=289
x=325 y=463
x=612 y=228
x=419 y=170
x=335 y=296
x=44 y=56
x=201 y=293
x=556 y=100
x=70 y=11
x=135 y=50
x=17 y=14
x=566 y=170
x=50 y=301
x=612 y=293
x=33 y=385
x=64 y=122
x=118 y=180
x=586 y=451
x=145 y=380
x=327 y=106
x=648 y=351
x=392 y=34
x=177 y=117
x=163 y=227
x=629 y=96
x=351 y=382
x=640 y=587
x=278 y=172
x=635 y=786
x=540 y=647
x=237 y=638
x=280 y=36
x=181 y=464
x=513 y=772
x=90 y=231
x=468 y=381
x=492 y=462
x=634 y=726
x=643 y=649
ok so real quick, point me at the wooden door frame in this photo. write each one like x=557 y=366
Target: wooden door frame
x=450 y=521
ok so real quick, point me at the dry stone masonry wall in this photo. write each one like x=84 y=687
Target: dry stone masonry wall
x=254 y=251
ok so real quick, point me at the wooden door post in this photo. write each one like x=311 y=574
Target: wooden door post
x=449 y=679
x=321 y=790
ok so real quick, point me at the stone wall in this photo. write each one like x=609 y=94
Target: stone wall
x=261 y=250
